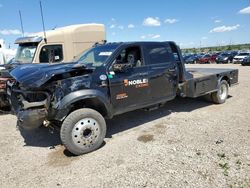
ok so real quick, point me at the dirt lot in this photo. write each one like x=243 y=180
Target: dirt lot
x=187 y=143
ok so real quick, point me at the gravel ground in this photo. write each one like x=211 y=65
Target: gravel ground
x=186 y=143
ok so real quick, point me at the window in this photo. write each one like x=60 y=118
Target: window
x=130 y=55
x=97 y=56
x=51 y=54
x=159 y=54
x=25 y=52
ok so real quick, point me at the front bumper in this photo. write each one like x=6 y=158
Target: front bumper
x=31 y=119
x=222 y=61
x=237 y=60
x=30 y=107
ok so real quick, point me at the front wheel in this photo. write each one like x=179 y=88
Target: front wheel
x=221 y=95
x=83 y=131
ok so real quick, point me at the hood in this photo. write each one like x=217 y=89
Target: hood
x=4 y=72
x=9 y=66
x=35 y=75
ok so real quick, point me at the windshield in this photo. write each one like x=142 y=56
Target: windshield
x=97 y=56
x=25 y=52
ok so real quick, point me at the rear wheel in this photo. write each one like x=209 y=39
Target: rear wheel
x=83 y=131
x=221 y=95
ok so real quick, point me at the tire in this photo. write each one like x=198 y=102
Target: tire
x=3 y=101
x=83 y=131
x=221 y=95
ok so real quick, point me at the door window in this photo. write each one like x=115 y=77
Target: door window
x=51 y=54
x=131 y=56
x=159 y=54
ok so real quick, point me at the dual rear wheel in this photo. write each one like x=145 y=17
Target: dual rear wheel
x=220 y=96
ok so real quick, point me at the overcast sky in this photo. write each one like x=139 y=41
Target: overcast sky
x=190 y=23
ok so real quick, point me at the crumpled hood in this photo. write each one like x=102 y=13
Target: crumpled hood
x=5 y=69
x=35 y=75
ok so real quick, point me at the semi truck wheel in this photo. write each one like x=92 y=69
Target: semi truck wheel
x=83 y=131
x=221 y=95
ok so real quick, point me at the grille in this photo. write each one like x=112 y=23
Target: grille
x=35 y=97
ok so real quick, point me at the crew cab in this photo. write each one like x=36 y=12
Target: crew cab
x=107 y=80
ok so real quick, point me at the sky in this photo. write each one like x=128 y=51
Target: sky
x=190 y=23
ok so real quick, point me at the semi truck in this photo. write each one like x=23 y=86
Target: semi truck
x=58 y=45
x=107 y=80
x=53 y=46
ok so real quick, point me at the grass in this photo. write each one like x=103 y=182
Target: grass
x=225 y=167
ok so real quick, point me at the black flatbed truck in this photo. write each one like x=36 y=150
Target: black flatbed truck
x=108 y=80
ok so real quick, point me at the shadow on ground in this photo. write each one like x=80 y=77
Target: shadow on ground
x=42 y=137
x=5 y=110
x=136 y=118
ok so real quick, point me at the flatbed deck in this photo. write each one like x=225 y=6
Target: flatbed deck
x=201 y=81
x=200 y=72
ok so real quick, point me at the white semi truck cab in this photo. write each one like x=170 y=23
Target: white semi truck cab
x=59 y=45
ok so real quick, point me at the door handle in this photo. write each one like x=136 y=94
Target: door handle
x=103 y=84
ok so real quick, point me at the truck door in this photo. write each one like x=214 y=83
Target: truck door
x=129 y=88
x=163 y=71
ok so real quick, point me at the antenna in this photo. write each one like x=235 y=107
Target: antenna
x=21 y=21
x=44 y=32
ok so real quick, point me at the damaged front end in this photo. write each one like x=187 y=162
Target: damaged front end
x=35 y=103
x=31 y=107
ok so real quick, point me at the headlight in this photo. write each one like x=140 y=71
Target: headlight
x=225 y=58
